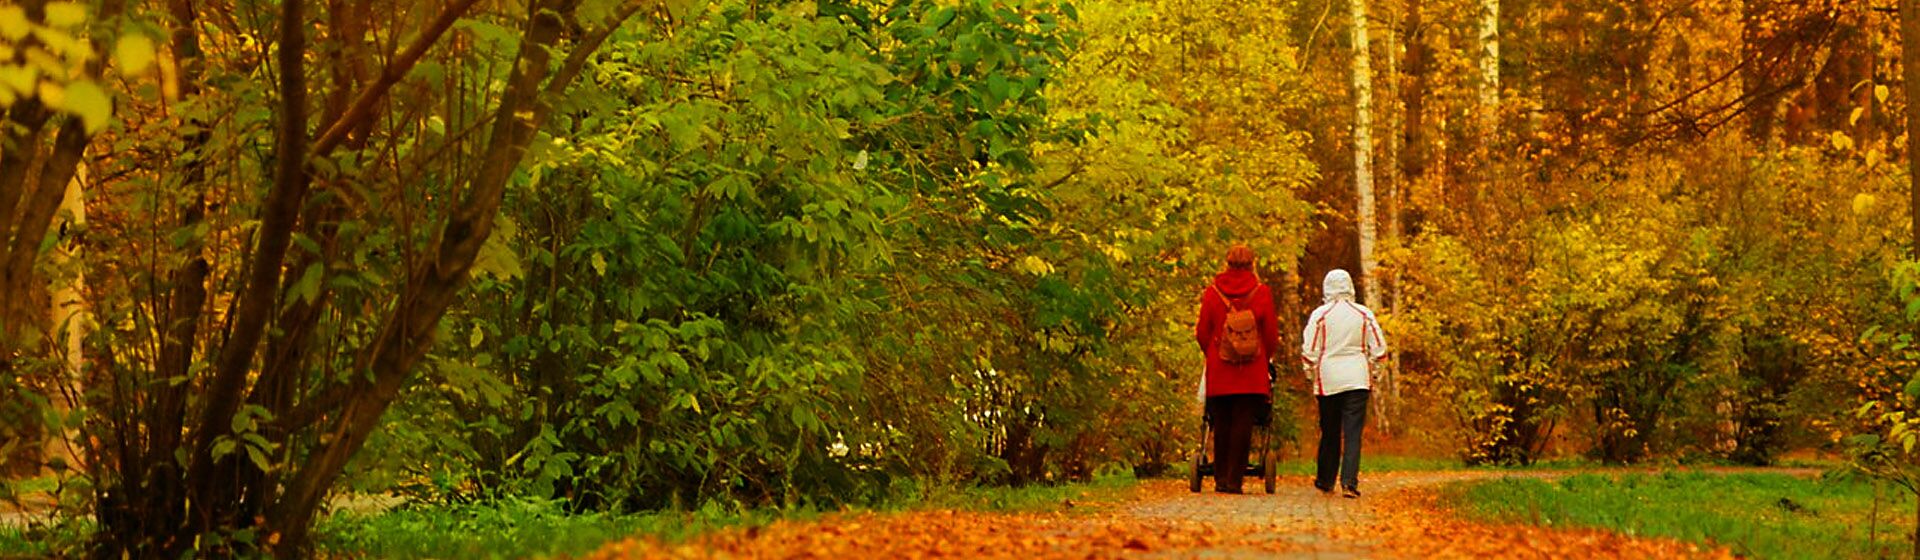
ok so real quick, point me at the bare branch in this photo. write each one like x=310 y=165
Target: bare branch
x=362 y=107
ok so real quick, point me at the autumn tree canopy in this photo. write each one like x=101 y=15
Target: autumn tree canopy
x=642 y=255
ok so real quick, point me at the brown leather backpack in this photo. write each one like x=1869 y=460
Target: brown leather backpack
x=1239 y=341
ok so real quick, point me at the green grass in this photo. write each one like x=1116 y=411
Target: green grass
x=1371 y=464
x=39 y=533
x=1756 y=515
x=66 y=538
x=507 y=529
x=1402 y=463
x=35 y=485
x=533 y=528
x=1011 y=499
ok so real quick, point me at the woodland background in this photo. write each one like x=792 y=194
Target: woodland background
x=641 y=255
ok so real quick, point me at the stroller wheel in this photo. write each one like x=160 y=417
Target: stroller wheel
x=1199 y=455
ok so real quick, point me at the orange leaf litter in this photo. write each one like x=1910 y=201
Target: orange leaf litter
x=1408 y=523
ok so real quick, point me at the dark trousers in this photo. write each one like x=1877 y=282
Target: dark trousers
x=1232 y=434
x=1342 y=417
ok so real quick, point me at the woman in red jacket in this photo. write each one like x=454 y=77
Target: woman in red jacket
x=1236 y=366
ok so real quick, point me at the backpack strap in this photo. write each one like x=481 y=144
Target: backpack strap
x=1225 y=300
x=1223 y=297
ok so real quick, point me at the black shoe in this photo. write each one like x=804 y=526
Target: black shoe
x=1327 y=489
x=1349 y=492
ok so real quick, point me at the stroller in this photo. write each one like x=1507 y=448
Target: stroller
x=1263 y=444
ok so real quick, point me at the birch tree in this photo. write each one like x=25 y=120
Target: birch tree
x=69 y=323
x=1363 y=146
x=1489 y=93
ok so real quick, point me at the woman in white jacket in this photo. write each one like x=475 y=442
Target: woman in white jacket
x=1341 y=343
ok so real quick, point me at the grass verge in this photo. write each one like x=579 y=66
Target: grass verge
x=1760 y=515
x=1296 y=465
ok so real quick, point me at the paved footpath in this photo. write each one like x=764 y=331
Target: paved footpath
x=1312 y=525
x=1297 y=514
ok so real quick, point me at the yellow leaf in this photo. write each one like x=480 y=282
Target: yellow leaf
x=13 y=23
x=1841 y=141
x=18 y=79
x=135 y=54
x=52 y=95
x=86 y=100
x=1854 y=119
x=1880 y=93
x=169 y=79
x=1863 y=203
x=65 y=14
x=1034 y=265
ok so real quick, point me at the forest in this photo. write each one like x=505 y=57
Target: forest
x=672 y=255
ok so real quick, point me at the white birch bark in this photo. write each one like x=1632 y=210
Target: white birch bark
x=1363 y=147
x=69 y=320
x=1489 y=70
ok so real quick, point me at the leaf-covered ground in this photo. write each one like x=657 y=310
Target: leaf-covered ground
x=1401 y=517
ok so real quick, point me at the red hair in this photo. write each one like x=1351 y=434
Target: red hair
x=1240 y=256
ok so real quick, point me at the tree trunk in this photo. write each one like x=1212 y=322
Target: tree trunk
x=1413 y=100
x=1363 y=147
x=435 y=281
x=1489 y=91
x=1395 y=183
x=1413 y=154
x=34 y=181
x=69 y=322
x=1755 y=77
x=1910 y=74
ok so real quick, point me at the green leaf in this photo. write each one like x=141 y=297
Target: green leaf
x=259 y=458
x=307 y=289
x=85 y=99
x=496 y=259
x=804 y=419
x=223 y=447
x=493 y=36
x=65 y=14
x=599 y=263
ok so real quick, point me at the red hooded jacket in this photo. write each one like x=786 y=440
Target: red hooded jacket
x=1246 y=291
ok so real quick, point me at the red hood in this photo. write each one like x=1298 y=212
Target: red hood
x=1236 y=282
